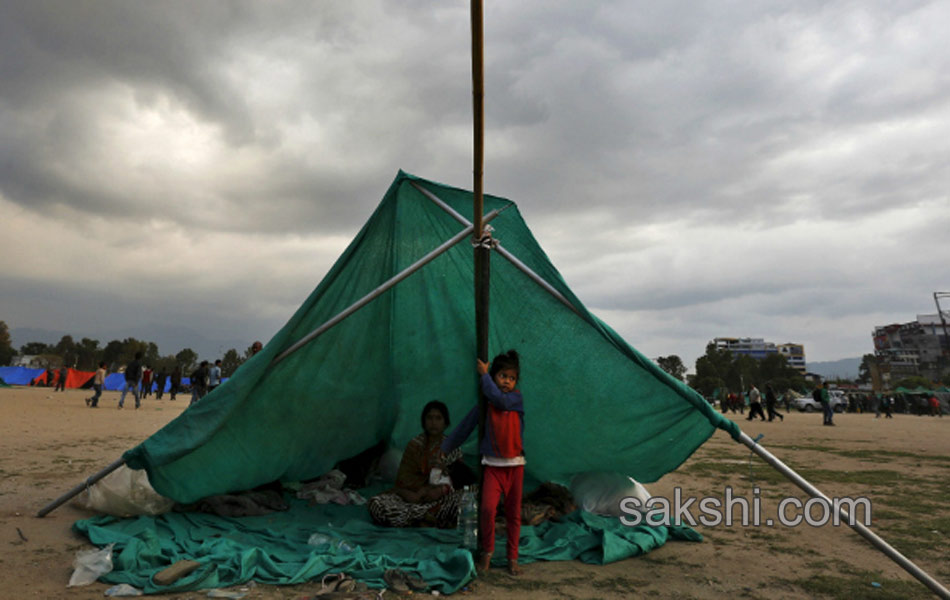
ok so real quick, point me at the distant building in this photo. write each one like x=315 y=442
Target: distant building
x=30 y=361
x=912 y=348
x=758 y=349
x=795 y=356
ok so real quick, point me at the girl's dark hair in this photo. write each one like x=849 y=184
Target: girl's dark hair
x=435 y=405
x=508 y=360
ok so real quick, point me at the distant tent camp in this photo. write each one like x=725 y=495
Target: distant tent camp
x=74 y=378
x=19 y=375
x=592 y=401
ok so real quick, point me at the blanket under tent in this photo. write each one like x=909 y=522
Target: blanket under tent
x=273 y=548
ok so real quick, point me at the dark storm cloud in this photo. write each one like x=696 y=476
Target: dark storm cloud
x=720 y=167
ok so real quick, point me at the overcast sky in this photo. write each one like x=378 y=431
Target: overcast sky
x=187 y=172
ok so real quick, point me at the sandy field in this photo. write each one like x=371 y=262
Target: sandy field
x=50 y=442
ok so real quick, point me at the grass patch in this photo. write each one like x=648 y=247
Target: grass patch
x=871 y=477
x=759 y=472
x=877 y=455
x=858 y=587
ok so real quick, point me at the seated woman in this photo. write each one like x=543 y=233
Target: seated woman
x=423 y=495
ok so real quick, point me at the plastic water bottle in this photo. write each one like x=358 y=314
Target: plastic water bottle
x=468 y=520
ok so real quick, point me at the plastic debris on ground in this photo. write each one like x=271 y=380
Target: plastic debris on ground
x=123 y=589
x=89 y=565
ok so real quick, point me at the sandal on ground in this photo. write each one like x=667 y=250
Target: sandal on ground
x=416 y=583
x=335 y=582
x=513 y=568
x=396 y=581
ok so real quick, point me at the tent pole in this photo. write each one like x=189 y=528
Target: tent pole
x=535 y=277
x=88 y=482
x=311 y=336
x=380 y=290
x=497 y=246
x=482 y=245
x=866 y=533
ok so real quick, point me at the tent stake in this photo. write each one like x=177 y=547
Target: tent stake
x=866 y=533
x=88 y=482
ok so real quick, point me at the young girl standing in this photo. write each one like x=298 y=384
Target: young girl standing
x=502 y=451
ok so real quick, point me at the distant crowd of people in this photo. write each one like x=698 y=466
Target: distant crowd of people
x=886 y=404
x=141 y=380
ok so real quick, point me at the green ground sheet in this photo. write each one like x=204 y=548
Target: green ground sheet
x=274 y=549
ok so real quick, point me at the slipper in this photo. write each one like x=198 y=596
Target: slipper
x=332 y=583
x=347 y=584
x=396 y=581
x=416 y=583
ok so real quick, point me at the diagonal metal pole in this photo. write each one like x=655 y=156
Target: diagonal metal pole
x=866 y=533
x=501 y=250
x=299 y=344
x=773 y=461
x=381 y=289
x=79 y=488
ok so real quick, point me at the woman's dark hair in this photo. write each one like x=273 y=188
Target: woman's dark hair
x=435 y=405
x=508 y=360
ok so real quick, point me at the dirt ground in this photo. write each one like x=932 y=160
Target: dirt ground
x=50 y=442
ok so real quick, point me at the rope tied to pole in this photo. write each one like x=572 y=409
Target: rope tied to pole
x=486 y=240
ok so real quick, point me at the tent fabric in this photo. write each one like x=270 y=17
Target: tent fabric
x=19 y=375
x=592 y=401
x=274 y=548
x=115 y=382
x=914 y=391
x=74 y=378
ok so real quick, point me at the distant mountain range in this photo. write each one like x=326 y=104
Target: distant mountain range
x=845 y=368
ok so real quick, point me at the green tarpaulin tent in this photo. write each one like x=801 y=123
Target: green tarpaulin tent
x=592 y=402
x=360 y=377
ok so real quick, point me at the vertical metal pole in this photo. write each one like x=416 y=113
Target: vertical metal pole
x=482 y=252
x=478 y=112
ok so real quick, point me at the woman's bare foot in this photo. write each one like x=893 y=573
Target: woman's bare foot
x=483 y=563
x=513 y=568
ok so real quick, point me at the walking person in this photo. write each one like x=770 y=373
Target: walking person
x=133 y=375
x=175 y=378
x=98 y=381
x=770 y=402
x=199 y=382
x=214 y=375
x=755 y=403
x=887 y=404
x=146 y=381
x=61 y=380
x=160 y=380
x=935 y=406
x=826 y=405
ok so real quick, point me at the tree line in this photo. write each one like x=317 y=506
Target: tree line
x=86 y=354
x=720 y=369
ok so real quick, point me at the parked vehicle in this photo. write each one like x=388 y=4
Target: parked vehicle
x=839 y=403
